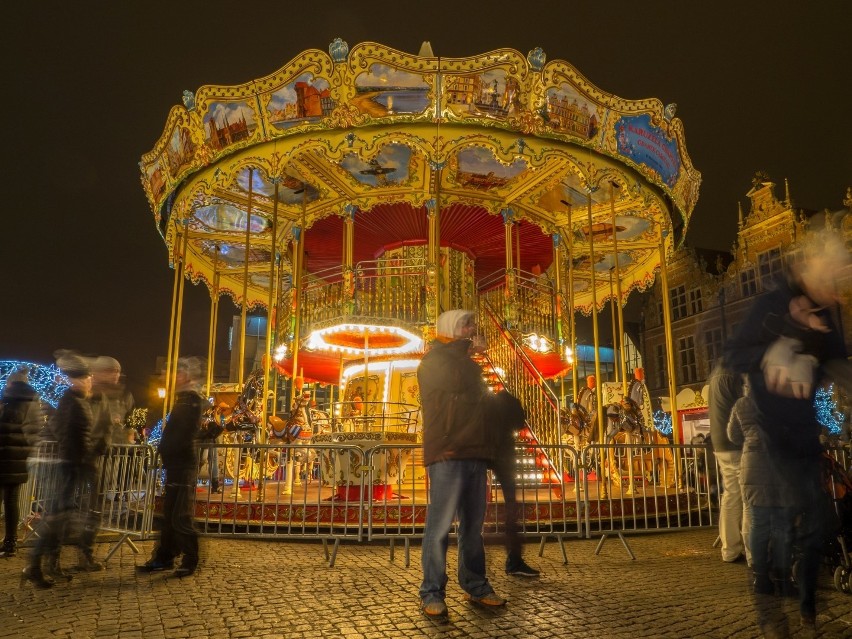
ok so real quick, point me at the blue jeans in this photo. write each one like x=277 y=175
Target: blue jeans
x=456 y=488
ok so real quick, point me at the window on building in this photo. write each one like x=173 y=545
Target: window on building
x=769 y=265
x=678 y=301
x=660 y=311
x=695 y=305
x=686 y=354
x=748 y=285
x=713 y=344
x=660 y=366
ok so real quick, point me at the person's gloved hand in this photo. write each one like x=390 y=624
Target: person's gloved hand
x=786 y=370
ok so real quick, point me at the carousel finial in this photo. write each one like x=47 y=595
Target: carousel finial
x=189 y=100
x=536 y=58
x=426 y=50
x=338 y=50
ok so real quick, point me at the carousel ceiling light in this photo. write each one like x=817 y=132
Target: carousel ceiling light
x=340 y=337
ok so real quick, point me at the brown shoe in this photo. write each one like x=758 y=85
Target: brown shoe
x=492 y=600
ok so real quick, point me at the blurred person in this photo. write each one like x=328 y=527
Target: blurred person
x=179 y=453
x=734 y=524
x=71 y=428
x=110 y=404
x=507 y=417
x=456 y=448
x=20 y=424
x=767 y=498
x=787 y=345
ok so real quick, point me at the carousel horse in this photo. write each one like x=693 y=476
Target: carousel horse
x=626 y=425
x=296 y=429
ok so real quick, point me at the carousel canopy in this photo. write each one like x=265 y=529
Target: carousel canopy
x=383 y=137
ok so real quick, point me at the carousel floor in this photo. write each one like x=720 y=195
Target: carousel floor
x=313 y=506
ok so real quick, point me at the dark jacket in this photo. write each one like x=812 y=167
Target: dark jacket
x=179 y=444
x=452 y=396
x=725 y=388
x=762 y=479
x=20 y=424
x=504 y=419
x=71 y=427
x=792 y=429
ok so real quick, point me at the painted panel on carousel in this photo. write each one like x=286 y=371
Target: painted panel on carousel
x=180 y=151
x=227 y=217
x=479 y=169
x=568 y=111
x=607 y=262
x=493 y=93
x=384 y=91
x=362 y=396
x=648 y=145
x=290 y=190
x=305 y=99
x=235 y=255
x=227 y=123
x=570 y=191
x=156 y=179
x=409 y=389
x=390 y=166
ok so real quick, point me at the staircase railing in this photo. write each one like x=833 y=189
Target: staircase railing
x=520 y=377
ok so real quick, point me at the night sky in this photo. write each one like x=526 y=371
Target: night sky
x=88 y=87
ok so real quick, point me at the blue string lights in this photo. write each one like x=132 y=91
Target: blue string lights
x=826 y=410
x=47 y=381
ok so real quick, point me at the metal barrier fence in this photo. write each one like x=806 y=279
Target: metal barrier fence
x=120 y=497
x=377 y=491
x=647 y=488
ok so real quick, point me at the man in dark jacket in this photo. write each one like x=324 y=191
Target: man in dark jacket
x=179 y=453
x=20 y=424
x=71 y=428
x=725 y=388
x=455 y=453
x=787 y=345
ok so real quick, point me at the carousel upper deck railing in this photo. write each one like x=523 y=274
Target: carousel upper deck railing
x=374 y=417
x=534 y=298
x=520 y=377
x=383 y=290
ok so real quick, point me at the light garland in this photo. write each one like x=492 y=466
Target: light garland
x=46 y=380
x=826 y=410
x=663 y=422
x=317 y=340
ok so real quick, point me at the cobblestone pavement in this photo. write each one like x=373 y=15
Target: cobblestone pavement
x=677 y=587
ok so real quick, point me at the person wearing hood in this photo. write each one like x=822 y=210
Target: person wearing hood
x=456 y=450
x=20 y=424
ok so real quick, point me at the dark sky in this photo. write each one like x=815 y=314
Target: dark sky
x=88 y=87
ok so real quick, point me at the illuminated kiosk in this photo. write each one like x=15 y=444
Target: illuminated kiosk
x=368 y=190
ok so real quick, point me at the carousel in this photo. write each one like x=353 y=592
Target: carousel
x=353 y=195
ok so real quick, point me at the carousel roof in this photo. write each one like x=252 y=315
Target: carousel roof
x=385 y=136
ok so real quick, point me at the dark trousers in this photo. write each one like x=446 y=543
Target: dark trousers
x=178 y=536
x=66 y=506
x=11 y=513
x=504 y=469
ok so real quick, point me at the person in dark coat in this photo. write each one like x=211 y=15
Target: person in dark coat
x=20 y=424
x=734 y=524
x=767 y=498
x=71 y=428
x=179 y=453
x=507 y=417
x=787 y=345
x=456 y=451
